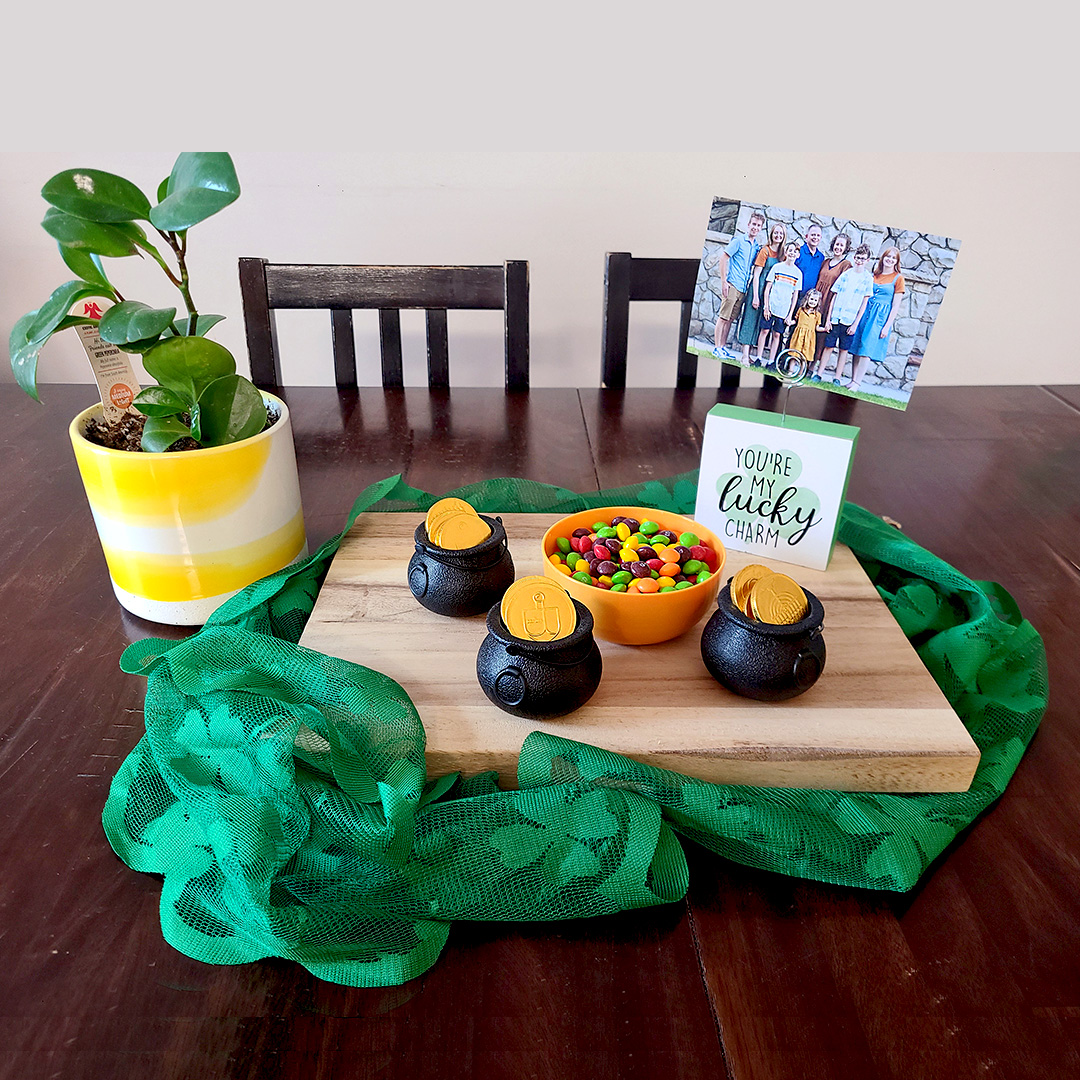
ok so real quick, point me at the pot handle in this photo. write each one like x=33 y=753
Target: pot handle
x=807 y=669
x=418 y=579
x=510 y=686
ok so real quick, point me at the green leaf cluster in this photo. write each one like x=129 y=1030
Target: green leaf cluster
x=94 y=215
x=198 y=395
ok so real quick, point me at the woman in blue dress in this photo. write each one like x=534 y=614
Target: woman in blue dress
x=872 y=335
x=770 y=254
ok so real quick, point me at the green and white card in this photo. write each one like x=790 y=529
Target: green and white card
x=774 y=486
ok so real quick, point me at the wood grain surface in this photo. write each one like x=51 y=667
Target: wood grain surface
x=754 y=976
x=875 y=721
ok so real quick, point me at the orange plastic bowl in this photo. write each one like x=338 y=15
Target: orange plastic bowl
x=633 y=618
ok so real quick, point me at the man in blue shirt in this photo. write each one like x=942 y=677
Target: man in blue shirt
x=810 y=259
x=734 y=269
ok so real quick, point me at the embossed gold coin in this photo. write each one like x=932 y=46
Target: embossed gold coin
x=457 y=531
x=443 y=508
x=779 y=600
x=743 y=582
x=536 y=608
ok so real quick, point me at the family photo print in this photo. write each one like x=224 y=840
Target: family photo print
x=854 y=300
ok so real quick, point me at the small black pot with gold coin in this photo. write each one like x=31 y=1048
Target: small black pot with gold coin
x=764 y=640
x=461 y=565
x=539 y=660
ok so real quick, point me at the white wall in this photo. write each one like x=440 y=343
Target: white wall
x=1007 y=317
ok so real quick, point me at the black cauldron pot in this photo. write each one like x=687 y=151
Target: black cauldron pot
x=539 y=680
x=465 y=582
x=759 y=660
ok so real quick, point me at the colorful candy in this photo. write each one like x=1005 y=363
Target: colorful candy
x=625 y=555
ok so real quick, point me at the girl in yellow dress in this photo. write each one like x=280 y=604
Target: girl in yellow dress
x=807 y=325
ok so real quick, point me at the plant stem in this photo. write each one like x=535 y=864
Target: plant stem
x=180 y=250
x=152 y=252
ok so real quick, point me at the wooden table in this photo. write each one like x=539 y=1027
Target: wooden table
x=973 y=974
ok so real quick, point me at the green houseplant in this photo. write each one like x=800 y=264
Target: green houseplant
x=96 y=214
x=181 y=532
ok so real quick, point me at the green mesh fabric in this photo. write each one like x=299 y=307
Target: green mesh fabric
x=282 y=792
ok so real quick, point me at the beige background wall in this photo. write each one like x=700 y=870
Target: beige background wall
x=1008 y=316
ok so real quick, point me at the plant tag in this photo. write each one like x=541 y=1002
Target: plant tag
x=774 y=486
x=112 y=368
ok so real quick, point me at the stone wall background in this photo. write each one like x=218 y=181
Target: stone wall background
x=926 y=261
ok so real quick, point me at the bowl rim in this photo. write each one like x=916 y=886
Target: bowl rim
x=628 y=597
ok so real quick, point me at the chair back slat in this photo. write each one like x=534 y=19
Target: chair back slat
x=438 y=351
x=517 y=325
x=385 y=286
x=686 y=370
x=266 y=287
x=390 y=346
x=341 y=328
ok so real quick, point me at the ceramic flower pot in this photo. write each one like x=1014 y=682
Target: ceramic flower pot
x=184 y=531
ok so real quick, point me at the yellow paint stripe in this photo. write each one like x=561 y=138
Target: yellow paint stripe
x=175 y=578
x=155 y=490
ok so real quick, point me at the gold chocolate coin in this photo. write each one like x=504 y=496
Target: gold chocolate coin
x=779 y=600
x=441 y=509
x=538 y=609
x=744 y=581
x=457 y=531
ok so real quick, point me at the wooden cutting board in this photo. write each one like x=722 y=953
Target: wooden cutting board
x=875 y=720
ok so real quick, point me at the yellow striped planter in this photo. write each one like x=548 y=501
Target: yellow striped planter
x=183 y=532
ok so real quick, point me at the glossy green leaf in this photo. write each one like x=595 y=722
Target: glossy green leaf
x=112 y=240
x=200 y=185
x=137 y=235
x=162 y=195
x=96 y=196
x=202 y=324
x=56 y=308
x=134 y=321
x=84 y=265
x=160 y=432
x=142 y=346
x=161 y=401
x=188 y=364
x=230 y=409
x=24 y=352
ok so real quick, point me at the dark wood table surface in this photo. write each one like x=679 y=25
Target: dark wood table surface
x=976 y=973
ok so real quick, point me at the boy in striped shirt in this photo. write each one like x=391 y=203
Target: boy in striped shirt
x=783 y=284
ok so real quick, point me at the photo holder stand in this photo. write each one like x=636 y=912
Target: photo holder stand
x=792 y=367
x=773 y=485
